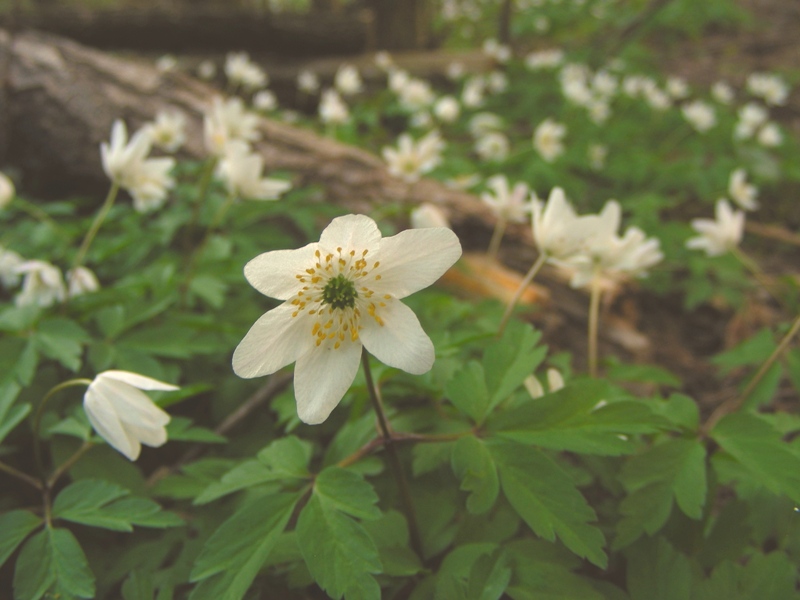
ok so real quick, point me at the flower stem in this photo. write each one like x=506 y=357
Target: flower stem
x=497 y=237
x=594 y=318
x=736 y=403
x=37 y=417
x=394 y=457
x=95 y=227
x=20 y=475
x=68 y=464
x=205 y=184
x=537 y=265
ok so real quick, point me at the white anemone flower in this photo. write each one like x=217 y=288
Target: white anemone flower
x=168 y=131
x=228 y=120
x=265 y=101
x=80 y=281
x=7 y=190
x=447 y=109
x=123 y=415
x=720 y=235
x=770 y=135
x=493 y=146
x=341 y=294
x=742 y=193
x=510 y=204
x=415 y=94
x=722 y=92
x=348 y=80
x=428 y=215
x=9 y=262
x=557 y=230
x=700 y=115
x=409 y=160
x=241 y=171
x=547 y=139
x=242 y=71
x=332 y=109
x=307 y=82
x=43 y=284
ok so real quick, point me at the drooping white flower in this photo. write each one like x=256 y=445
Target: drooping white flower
x=428 y=215
x=348 y=80
x=699 y=115
x=493 y=146
x=510 y=204
x=742 y=193
x=228 y=120
x=241 y=171
x=242 y=71
x=123 y=415
x=9 y=262
x=168 y=131
x=721 y=235
x=332 y=109
x=307 y=82
x=42 y=285
x=341 y=294
x=80 y=281
x=7 y=190
x=547 y=139
x=409 y=160
x=447 y=109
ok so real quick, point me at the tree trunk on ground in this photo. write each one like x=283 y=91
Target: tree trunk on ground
x=401 y=25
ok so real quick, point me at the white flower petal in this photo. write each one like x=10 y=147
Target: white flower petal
x=415 y=258
x=274 y=341
x=321 y=378
x=138 y=381
x=131 y=405
x=400 y=342
x=149 y=436
x=351 y=232
x=106 y=423
x=274 y=274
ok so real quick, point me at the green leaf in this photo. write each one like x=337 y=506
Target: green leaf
x=511 y=359
x=489 y=577
x=15 y=526
x=180 y=429
x=390 y=534
x=338 y=551
x=658 y=572
x=286 y=458
x=753 y=351
x=19 y=318
x=467 y=391
x=672 y=470
x=348 y=492
x=547 y=499
x=235 y=553
x=52 y=560
x=642 y=373
x=62 y=340
x=473 y=465
x=570 y=419
x=452 y=578
x=758 y=448
x=680 y=410
x=210 y=289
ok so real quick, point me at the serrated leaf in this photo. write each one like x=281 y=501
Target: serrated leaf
x=489 y=577
x=656 y=571
x=181 y=429
x=84 y=498
x=642 y=373
x=348 y=492
x=546 y=498
x=570 y=419
x=286 y=458
x=474 y=466
x=672 y=470
x=15 y=526
x=62 y=340
x=236 y=551
x=338 y=551
x=52 y=560
x=390 y=534
x=19 y=318
x=12 y=418
x=452 y=578
x=467 y=391
x=758 y=447
x=680 y=410
x=509 y=360
x=753 y=351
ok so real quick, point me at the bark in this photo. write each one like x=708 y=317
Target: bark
x=401 y=25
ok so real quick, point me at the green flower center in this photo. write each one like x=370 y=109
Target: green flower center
x=340 y=292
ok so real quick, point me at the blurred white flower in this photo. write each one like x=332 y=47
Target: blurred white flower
x=265 y=101
x=7 y=191
x=410 y=160
x=348 y=80
x=42 y=285
x=751 y=117
x=657 y=99
x=721 y=235
x=415 y=94
x=147 y=180
x=677 y=88
x=493 y=146
x=383 y=60
x=206 y=70
x=398 y=78
x=555 y=382
x=447 y=109
x=241 y=71
x=241 y=170
x=510 y=204
x=332 y=109
x=166 y=63
x=597 y=156
x=341 y=295
x=455 y=71
x=770 y=135
x=742 y=193
x=9 y=262
x=421 y=120
x=557 y=231
x=722 y=92
x=483 y=123
x=699 y=115
x=497 y=82
x=771 y=88
x=123 y=415
x=168 y=131
x=428 y=215
x=228 y=120
x=544 y=59
x=80 y=281
x=494 y=49
x=307 y=82
x=472 y=95
x=547 y=139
